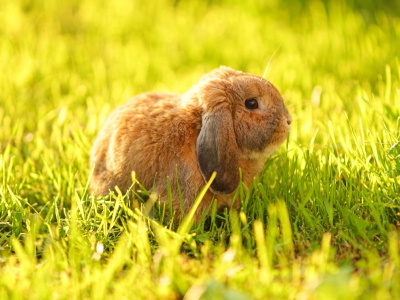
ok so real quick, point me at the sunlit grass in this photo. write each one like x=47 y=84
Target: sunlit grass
x=322 y=220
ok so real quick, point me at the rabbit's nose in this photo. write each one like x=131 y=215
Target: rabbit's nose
x=289 y=121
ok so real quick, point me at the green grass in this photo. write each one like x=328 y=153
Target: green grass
x=321 y=222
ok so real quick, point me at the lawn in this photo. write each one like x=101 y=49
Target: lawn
x=322 y=221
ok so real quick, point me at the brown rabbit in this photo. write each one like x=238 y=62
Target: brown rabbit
x=229 y=120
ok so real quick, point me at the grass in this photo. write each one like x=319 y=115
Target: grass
x=321 y=222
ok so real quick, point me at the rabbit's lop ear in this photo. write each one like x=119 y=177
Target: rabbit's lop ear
x=217 y=149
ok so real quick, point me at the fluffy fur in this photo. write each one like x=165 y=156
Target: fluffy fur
x=204 y=130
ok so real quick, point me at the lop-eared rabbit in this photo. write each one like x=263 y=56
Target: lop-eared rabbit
x=228 y=120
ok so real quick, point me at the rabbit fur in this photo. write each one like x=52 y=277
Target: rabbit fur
x=187 y=137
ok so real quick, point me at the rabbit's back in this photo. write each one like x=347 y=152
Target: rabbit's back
x=153 y=135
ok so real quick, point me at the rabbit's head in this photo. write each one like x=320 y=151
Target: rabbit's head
x=244 y=119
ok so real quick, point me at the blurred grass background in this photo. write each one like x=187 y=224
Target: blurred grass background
x=66 y=64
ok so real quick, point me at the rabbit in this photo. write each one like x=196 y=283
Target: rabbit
x=228 y=120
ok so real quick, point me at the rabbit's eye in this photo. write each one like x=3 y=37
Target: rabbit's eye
x=251 y=103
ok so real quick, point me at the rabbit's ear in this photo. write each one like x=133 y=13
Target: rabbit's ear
x=217 y=150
